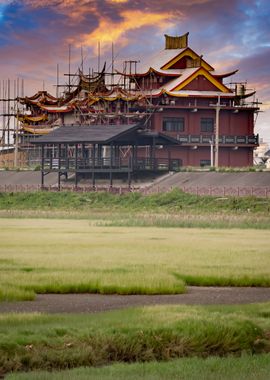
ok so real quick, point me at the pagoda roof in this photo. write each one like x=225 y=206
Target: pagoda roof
x=188 y=75
x=190 y=93
x=64 y=108
x=164 y=59
x=159 y=59
x=172 y=72
x=224 y=75
x=41 y=97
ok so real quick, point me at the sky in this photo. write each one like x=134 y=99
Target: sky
x=231 y=34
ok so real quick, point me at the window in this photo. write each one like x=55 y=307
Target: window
x=173 y=124
x=205 y=163
x=207 y=124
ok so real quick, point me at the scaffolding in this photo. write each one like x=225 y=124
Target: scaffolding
x=102 y=97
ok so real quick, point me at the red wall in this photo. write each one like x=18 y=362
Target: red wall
x=241 y=157
x=231 y=124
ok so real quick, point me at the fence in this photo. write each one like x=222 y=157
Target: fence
x=220 y=191
x=261 y=192
x=72 y=188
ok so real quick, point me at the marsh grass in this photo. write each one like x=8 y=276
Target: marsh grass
x=188 y=219
x=246 y=367
x=34 y=341
x=175 y=200
x=64 y=256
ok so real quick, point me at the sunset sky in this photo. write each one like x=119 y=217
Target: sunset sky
x=231 y=34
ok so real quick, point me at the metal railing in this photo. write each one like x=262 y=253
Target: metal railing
x=223 y=139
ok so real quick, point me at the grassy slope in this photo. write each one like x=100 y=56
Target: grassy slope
x=176 y=200
x=174 y=209
x=61 y=256
x=33 y=341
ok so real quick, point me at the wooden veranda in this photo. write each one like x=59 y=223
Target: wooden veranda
x=99 y=149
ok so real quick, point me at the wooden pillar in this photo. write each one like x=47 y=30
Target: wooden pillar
x=169 y=157
x=111 y=162
x=94 y=155
x=42 y=166
x=99 y=150
x=59 y=167
x=66 y=160
x=76 y=165
x=154 y=154
x=93 y=164
x=133 y=156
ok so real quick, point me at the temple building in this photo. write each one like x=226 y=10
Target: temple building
x=175 y=111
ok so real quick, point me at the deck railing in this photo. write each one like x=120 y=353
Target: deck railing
x=223 y=139
x=107 y=164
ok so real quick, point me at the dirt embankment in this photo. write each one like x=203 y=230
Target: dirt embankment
x=201 y=179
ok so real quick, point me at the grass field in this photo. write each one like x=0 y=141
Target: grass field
x=61 y=256
x=36 y=341
x=214 y=368
x=100 y=243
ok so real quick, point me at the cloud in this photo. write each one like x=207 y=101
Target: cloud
x=232 y=34
x=117 y=1
x=109 y=31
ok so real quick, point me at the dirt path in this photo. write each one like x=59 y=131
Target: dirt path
x=92 y=303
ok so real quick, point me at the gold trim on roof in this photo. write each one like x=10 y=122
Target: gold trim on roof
x=207 y=75
x=179 y=42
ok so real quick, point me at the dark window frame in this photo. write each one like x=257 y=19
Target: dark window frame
x=204 y=163
x=173 y=124
x=207 y=124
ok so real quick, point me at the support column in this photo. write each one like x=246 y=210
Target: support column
x=93 y=165
x=59 y=167
x=111 y=162
x=66 y=160
x=42 y=166
x=154 y=153
x=76 y=165
x=169 y=157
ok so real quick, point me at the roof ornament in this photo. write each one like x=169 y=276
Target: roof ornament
x=178 y=42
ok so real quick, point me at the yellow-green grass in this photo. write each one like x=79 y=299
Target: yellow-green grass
x=40 y=342
x=187 y=218
x=246 y=367
x=61 y=256
x=172 y=209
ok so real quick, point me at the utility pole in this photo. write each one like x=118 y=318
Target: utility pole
x=217 y=132
x=217 y=106
x=16 y=141
x=211 y=142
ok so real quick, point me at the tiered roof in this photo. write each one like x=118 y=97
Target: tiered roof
x=182 y=67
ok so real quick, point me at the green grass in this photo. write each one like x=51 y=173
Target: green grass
x=35 y=341
x=63 y=256
x=173 y=209
x=213 y=368
x=175 y=200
